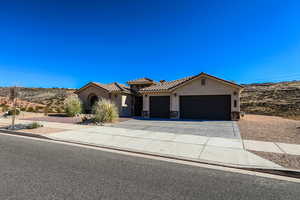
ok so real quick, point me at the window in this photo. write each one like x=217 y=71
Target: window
x=124 y=103
x=203 y=81
x=235 y=103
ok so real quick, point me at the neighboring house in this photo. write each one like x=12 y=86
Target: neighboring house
x=196 y=97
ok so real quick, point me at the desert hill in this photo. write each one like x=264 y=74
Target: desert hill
x=279 y=99
x=35 y=98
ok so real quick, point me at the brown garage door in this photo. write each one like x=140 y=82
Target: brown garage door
x=160 y=106
x=210 y=107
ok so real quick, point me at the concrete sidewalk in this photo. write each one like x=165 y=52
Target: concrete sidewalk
x=272 y=147
x=188 y=147
x=184 y=146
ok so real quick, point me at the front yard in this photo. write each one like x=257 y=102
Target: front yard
x=270 y=129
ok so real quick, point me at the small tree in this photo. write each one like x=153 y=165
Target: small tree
x=73 y=106
x=105 y=111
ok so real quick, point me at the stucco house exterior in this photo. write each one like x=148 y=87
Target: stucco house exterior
x=202 y=96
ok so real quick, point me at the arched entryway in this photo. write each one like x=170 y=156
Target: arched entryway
x=93 y=99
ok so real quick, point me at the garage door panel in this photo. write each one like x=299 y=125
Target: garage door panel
x=160 y=106
x=210 y=107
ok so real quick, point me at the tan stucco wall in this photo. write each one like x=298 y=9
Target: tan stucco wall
x=85 y=94
x=101 y=93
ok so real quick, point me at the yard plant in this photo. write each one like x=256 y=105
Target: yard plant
x=34 y=125
x=105 y=111
x=16 y=111
x=73 y=106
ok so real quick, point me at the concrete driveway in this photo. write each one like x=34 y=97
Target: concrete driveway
x=224 y=129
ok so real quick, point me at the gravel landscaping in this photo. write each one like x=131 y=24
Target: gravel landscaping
x=59 y=119
x=270 y=129
x=285 y=160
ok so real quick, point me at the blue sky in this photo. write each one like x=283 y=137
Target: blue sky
x=68 y=43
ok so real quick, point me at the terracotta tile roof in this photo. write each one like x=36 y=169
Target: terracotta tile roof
x=161 y=86
x=155 y=87
x=140 y=80
x=113 y=87
x=168 y=85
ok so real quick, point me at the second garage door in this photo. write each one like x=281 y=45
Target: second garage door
x=160 y=106
x=210 y=107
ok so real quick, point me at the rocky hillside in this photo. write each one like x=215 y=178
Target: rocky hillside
x=51 y=97
x=279 y=99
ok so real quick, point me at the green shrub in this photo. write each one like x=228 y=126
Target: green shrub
x=73 y=106
x=11 y=112
x=105 y=111
x=34 y=125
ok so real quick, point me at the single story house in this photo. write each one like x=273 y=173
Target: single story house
x=202 y=96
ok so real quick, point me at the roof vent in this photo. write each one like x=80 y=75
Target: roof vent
x=162 y=81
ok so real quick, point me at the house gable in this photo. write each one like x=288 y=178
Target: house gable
x=211 y=86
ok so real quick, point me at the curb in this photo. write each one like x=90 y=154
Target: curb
x=293 y=173
x=275 y=171
x=23 y=134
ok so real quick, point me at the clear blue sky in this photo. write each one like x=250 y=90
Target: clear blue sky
x=68 y=43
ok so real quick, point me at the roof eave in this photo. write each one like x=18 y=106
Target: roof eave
x=89 y=84
x=231 y=84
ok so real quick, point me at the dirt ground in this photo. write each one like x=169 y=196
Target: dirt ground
x=270 y=128
x=285 y=160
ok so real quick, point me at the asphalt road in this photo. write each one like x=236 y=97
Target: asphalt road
x=31 y=169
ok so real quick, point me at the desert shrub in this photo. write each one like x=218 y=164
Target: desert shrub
x=5 y=108
x=59 y=110
x=34 y=125
x=105 y=111
x=51 y=110
x=30 y=109
x=73 y=106
x=23 y=109
x=12 y=111
x=38 y=108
